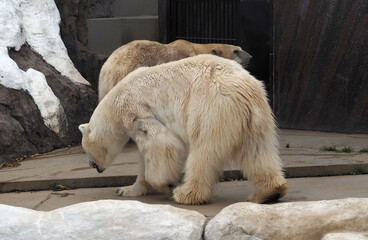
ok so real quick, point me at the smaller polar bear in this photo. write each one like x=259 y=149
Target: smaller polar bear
x=143 y=53
x=194 y=115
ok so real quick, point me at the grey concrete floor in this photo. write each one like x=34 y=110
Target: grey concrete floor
x=226 y=193
x=300 y=152
x=302 y=158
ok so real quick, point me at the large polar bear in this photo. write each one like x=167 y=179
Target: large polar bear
x=143 y=53
x=194 y=115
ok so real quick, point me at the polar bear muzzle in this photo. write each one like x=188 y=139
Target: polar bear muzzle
x=94 y=165
x=242 y=57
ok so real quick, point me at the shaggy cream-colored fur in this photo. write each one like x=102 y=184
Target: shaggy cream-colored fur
x=194 y=115
x=143 y=53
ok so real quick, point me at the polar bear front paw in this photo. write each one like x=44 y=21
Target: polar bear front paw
x=132 y=191
x=190 y=196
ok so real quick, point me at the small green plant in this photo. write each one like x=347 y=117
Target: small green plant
x=347 y=149
x=239 y=175
x=58 y=187
x=329 y=149
x=54 y=186
x=356 y=171
x=363 y=150
x=287 y=145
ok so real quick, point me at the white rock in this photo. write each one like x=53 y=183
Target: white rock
x=346 y=236
x=51 y=110
x=105 y=219
x=297 y=220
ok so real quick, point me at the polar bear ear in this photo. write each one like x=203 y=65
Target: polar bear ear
x=83 y=128
x=216 y=52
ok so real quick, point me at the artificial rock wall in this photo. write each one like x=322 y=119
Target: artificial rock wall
x=43 y=97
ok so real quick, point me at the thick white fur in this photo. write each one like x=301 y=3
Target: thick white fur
x=144 y=53
x=196 y=114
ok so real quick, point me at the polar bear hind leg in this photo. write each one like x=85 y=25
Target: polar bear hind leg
x=261 y=163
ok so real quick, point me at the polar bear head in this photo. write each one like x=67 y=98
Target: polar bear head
x=96 y=152
x=101 y=150
x=232 y=52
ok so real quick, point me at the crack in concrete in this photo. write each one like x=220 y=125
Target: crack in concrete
x=43 y=201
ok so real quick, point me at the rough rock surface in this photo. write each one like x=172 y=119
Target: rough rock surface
x=74 y=32
x=22 y=129
x=105 y=219
x=297 y=221
x=14 y=137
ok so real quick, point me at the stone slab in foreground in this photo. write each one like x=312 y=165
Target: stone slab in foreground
x=105 y=219
x=295 y=220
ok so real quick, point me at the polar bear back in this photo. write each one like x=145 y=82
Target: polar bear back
x=189 y=92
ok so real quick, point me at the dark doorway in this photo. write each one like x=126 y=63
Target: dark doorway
x=245 y=23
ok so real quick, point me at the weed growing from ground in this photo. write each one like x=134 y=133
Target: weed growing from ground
x=58 y=187
x=363 y=150
x=356 y=171
x=329 y=149
x=347 y=149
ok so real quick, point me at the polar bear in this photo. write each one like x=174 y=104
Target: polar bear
x=141 y=53
x=195 y=115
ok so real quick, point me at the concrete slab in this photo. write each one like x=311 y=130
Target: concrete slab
x=68 y=166
x=226 y=193
x=302 y=158
x=31 y=200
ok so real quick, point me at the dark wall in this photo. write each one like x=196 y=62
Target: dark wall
x=254 y=31
x=320 y=75
x=315 y=64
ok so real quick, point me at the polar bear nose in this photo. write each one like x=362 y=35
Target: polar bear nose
x=242 y=57
x=97 y=168
x=94 y=165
